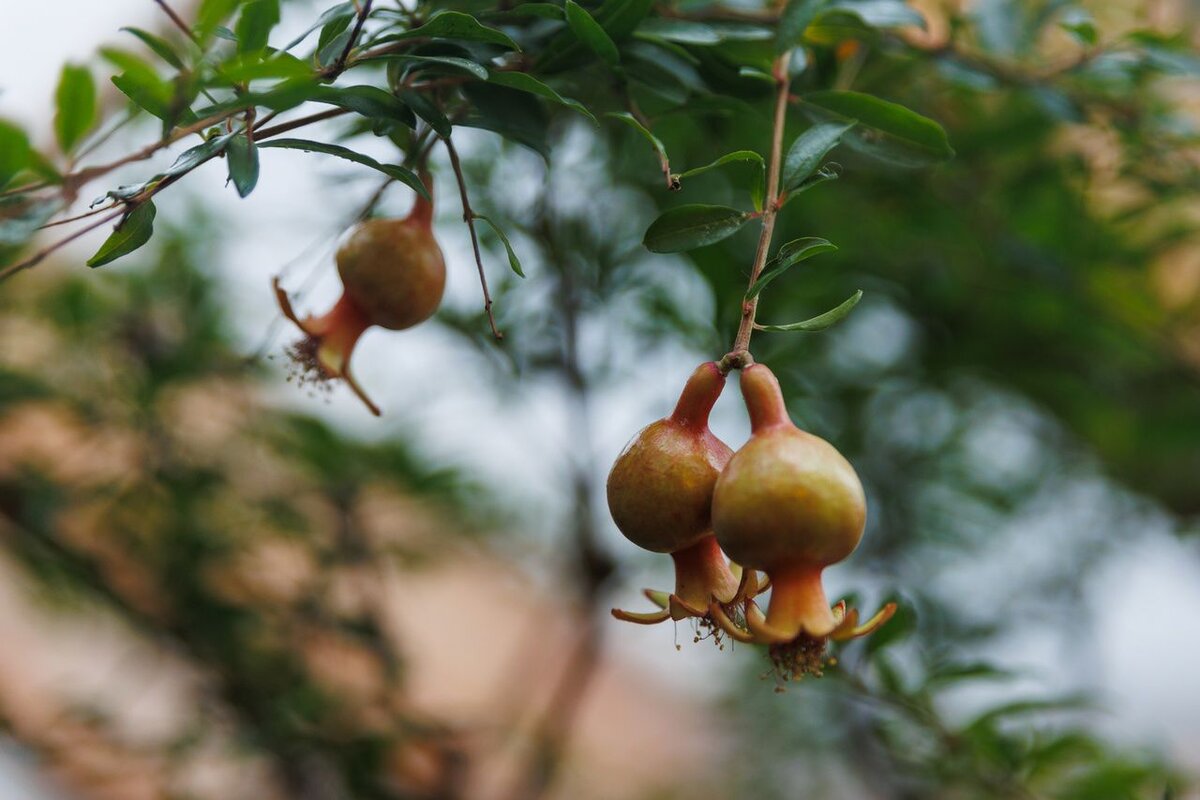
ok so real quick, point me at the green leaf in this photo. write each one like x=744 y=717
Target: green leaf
x=132 y=232
x=370 y=101
x=691 y=226
x=523 y=81
x=402 y=174
x=680 y=30
x=428 y=111
x=809 y=150
x=458 y=64
x=147 y=91
x=161 y=47
x=210 y=16
x=21 y=217
x=728 y=158
x=329 y=52
x=254 y=24
x=821 y=321
x=619 y=18
x=887 y=131
x=882 y=13
x=514 y=115
x=514 y=263
x=242 y=155
x=795 y=18
x=1079 y=23
x=75 y=106
x=829 y=172
x=456 y=25
x=332 y=14
x=195 y=156
x=540 y=10
x=631 y=121
x=592 y=34
x=789 y=256
x=15 y=152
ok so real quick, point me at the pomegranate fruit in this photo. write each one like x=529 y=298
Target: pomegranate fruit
x=660 y=495
x=789 y=504
x=393 y=275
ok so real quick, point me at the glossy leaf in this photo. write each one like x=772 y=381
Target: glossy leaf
x=456 y=25
x=821 y=321
x=341 y=11
x=809 y=150
x=453 y=62
x=242 y=155
x=887 y=131
x=75 y=106
x=789 y=256
x=882 y=13
x=147 y=91
x=525 y=82
x=631 y=121
x=514 y=263
x=134 y=230
x=425 y=108
x=691 y=226
x=402 y=174
x=591 y=33
x=369 y=101
x=211 y=15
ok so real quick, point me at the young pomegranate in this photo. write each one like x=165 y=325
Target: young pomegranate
x=660 y=495
x=790 y=505
x=392 y=276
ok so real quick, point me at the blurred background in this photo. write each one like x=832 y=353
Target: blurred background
x=217 y=584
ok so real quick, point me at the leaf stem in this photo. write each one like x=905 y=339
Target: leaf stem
x=469 y=218
x=739 y=356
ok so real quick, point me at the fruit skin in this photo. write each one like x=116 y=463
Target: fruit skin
x=660 y=488
x=787 y=501
x=393 y=269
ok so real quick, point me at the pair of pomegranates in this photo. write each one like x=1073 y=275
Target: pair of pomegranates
x=393 y=275
x=787 y=504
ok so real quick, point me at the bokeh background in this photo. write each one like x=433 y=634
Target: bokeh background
x=214 y=583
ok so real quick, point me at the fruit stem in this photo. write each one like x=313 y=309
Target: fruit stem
x=699 y=395
x=739 y=356
x=701 y=573
x=798 y=602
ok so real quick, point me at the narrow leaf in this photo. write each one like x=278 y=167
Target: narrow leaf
x=527 y=83
x=456 y=25
x=340 y=11
x=631 y=121
x=132 y=232
x=254 y=24
x=370 y=101
x=161 y=47
x=590 y=32
x=242 y=155
x=402 y=174
x=514 y=263
x=428 y=111
x=887 y=131
x=15 y=152
x=809 y=150
x=821 y=321
x=691 y=226
x=789 y=256
x=728 y=158
x=75 y=106
x=460 y=64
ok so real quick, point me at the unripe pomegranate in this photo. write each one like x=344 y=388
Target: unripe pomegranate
x=393 y=276
x=790 y=504
x=660 y=495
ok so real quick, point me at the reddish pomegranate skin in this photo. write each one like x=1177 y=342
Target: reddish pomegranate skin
x=660 y=488
x=787 y=500
x=393 y=269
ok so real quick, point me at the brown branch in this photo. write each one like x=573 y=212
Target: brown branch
x=84 y=215
x=740 y=356
x=179 y=23
x=358 y=26
x=469 y=218
x=284 y=127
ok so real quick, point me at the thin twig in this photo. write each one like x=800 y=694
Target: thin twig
x=84 y=215
x=740 y=356
x=284 y=127
x=40 y=255
x=469 y=218
x=179 y=23
x=358 y=26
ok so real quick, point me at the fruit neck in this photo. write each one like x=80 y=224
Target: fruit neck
x=798 y=602
x=764 y=398
x=422 y=210
x=701 y=573
x=337 y=333
x=699 y=395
